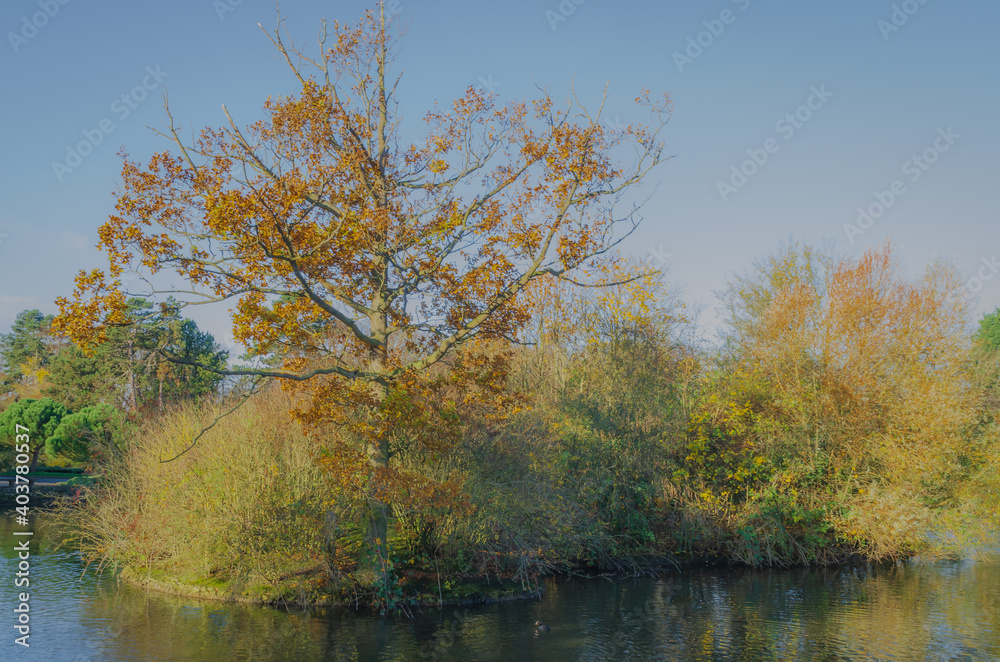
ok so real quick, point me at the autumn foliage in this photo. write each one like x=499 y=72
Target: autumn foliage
x=841 y=407
x=358 y=257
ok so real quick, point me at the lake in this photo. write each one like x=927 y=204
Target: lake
x=917 y=611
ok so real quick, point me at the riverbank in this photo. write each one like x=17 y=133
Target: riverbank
x=302 y=592
x=426 y=589
x=40 y=494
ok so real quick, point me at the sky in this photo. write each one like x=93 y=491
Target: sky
x=838 y=124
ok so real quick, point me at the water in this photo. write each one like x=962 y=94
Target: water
x=943 y=611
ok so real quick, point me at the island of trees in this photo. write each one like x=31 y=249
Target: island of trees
x=455 y=383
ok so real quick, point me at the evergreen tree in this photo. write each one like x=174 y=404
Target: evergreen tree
x=28 y=348
x=989 y=330
x=96 y=429
x=40 y=417
x=130 y=369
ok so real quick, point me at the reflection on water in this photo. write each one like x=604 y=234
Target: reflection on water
x=948 y=611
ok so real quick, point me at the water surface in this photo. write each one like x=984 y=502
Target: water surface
x=941 y=611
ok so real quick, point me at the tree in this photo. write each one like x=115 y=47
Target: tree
x=854 y=350
x=985 y=362
x=843 y=397
x=989 y=330
x=615 y=365
x=128 y=369
x=78 y=379
x=26 y=352
x=195 y=374
x=28 y=338
x=41 y=417
x=98 y=428
x=365 y=258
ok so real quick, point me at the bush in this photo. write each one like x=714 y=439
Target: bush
x=244 y=504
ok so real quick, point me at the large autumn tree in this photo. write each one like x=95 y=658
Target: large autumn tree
x=362 y=257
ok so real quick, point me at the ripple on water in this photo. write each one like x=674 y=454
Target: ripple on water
x=916 y=612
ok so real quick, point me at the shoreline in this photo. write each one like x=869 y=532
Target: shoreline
x=317 y=599
x=40 y=494
x=176 y=587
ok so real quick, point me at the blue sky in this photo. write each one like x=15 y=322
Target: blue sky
x=886 y=82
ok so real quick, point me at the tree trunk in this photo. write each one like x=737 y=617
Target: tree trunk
x=132 y=400
x=330 y=543
x=378 y=530
x=34 y=458
x=378 y=516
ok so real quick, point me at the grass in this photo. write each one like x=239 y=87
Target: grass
x=243 y=506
